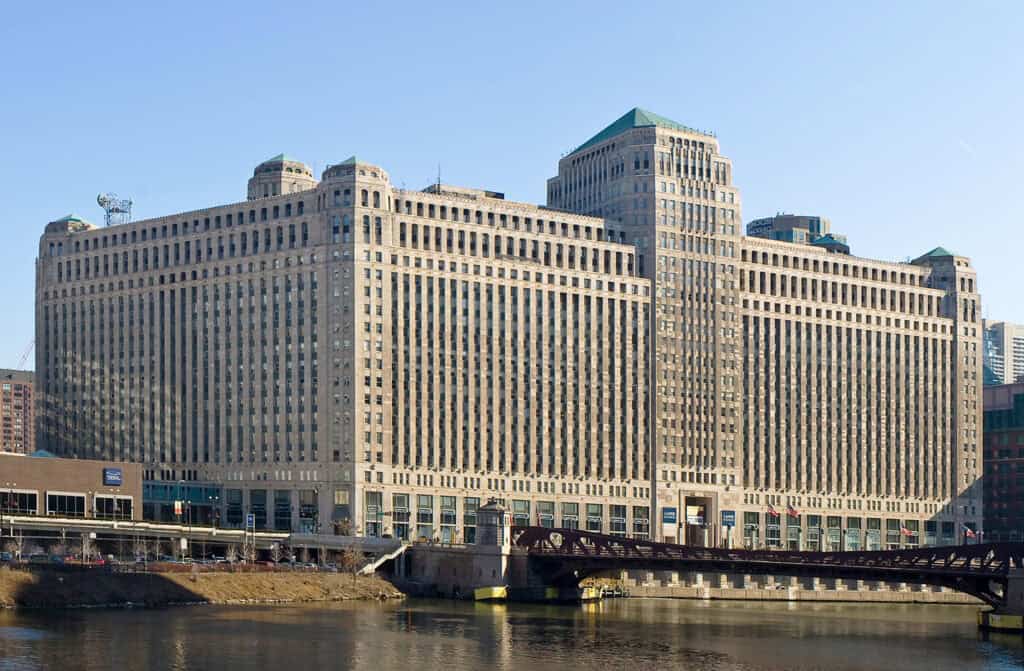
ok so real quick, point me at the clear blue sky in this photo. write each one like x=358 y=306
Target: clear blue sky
x=903 y=124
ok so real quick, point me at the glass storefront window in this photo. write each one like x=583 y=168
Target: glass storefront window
x=813 y=540
x=258 y=507
x=874 y=534
x=546 y=514
x=834 y=526
x=374 y=513
x=448 y=518
x=520 y=513
x=425 y=516
x=400 y=515
x=595 y=517
x=793 y=532
x=751 y=529
x=641 y=522
x=470 y=504
x=282 y=510
x=892 y=534
x=617 y=520
x=853 y=534
x=570 y=516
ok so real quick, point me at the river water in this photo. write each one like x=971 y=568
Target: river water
x=634 y=634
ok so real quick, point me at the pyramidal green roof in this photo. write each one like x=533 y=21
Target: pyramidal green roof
x=938 y=252
x=282 y=157
x=634 y=118
x=351 y=160
x=74 y=217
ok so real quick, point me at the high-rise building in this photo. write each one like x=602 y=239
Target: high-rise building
x=1004 y=352
x=357 y=353
x=349 y=353
x=802 y=397
x=17 y=412
x=801 y=229
x=1004 y=462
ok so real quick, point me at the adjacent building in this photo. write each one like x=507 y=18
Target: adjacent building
x=1004 y=352
x=40 y=484
x=348 y=355
x=1004 y=462
x=799 y=229
x=17 y=416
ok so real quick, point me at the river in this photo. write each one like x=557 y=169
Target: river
x=634 y=634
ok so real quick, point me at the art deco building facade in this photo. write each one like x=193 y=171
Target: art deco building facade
x=802 y=397
x=347 y=352
x=354 y=352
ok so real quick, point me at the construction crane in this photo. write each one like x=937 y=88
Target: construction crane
x=24 y=355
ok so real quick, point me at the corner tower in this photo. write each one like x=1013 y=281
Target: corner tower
x=280 y=175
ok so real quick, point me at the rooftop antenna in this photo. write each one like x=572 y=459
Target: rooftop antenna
x=439 y=178
x=117 y=210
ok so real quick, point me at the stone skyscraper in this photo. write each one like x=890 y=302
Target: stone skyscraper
x=349 y=353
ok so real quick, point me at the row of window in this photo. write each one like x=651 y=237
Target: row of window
x=67 y=504
x=98 y=240
x=176 y=254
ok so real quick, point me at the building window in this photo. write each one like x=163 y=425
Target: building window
x=424 y=516
x=400 y=515
x=65 y=505
x=570 y=516
x=470 y=504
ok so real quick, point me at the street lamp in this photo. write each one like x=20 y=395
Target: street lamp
x=6 y=504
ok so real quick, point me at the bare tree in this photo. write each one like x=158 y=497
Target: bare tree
x=343 y=527
x=351 y=561
x=231 y=553
x=276 y=552
x=16 y=546
x=250 y=552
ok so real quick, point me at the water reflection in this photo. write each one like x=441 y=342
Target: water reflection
x=622 y=634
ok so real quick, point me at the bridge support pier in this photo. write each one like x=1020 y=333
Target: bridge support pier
x=1010 y=616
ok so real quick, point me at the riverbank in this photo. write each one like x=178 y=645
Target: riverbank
x=75 y=589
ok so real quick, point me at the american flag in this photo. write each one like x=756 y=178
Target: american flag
x=772 y=512
x=791 y=511
x=970 y=532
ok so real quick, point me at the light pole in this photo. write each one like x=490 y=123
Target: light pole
x=6 y=503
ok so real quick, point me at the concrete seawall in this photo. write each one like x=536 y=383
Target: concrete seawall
x=670 y=584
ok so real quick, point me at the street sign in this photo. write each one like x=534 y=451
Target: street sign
x=669 y=515
x=250 y=521
x=728 y=518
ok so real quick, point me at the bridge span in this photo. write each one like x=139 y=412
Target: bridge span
x=992 y=572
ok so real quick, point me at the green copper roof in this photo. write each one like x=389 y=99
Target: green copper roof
x=634 y=118
x=74 y=217
x=351 y=160
x=938 y=252
x=282 y=157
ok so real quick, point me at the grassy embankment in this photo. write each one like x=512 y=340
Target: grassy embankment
x=65 y=589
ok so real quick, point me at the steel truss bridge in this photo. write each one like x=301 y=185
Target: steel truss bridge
x=566 y=556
